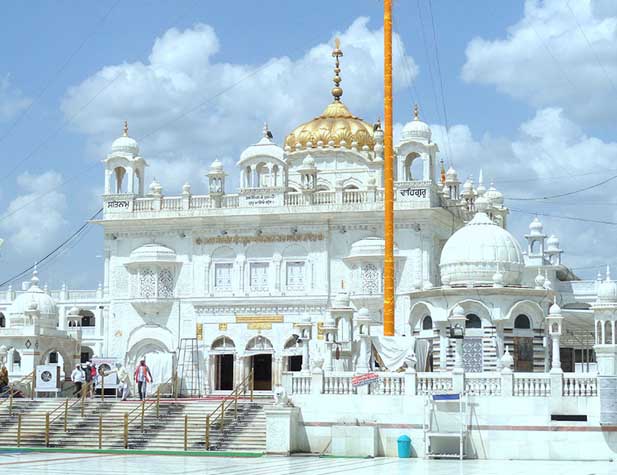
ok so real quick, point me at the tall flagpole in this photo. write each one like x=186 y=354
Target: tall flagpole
x=388 y=264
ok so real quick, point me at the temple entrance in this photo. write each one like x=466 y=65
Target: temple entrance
x=224 y=372
x=260 y=351
x=262 y=367
x=523 y=354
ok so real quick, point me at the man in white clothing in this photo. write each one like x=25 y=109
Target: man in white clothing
x=77 y=376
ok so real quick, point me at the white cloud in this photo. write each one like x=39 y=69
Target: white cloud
x=550 y=155
x=182 y=71
x=12 y=101
x=547 y=61
x=36 y=228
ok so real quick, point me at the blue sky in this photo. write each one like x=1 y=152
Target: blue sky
x=529 y=89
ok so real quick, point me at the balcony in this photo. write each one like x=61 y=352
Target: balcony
x=407 y=195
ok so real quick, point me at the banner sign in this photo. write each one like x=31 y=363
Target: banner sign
x=364 y=379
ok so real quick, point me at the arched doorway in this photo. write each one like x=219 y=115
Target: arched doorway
x=260 y=350
x=223 y=351
x=523 y=344
x=293 y=353
x=158 y=358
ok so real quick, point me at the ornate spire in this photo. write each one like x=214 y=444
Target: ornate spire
x=337 y=90
x=416 y=112
x=35 y=275
x=126 y=128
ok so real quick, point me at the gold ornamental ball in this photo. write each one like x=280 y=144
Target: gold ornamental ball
x=337 y=91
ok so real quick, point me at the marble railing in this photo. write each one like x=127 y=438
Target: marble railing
x=532 y=384
x=300 y=383
x=581 y=384
x=414 y=194
x=411 y=383
x=58 y=295
x=431 y=383
x=483 y=384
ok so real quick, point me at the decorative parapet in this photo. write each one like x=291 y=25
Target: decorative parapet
x=408 y=195
x=410 y=383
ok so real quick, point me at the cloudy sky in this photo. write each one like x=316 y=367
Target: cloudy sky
x=525 y=91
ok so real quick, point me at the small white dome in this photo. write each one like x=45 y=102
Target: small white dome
x=308 y=162
x=341 y=300
x=555 y=309
x=369 y=247
x=458 y=311
x=495 y=197
x=35 y=298
x=152 y=253
x=482 y=204
x=536 y=227
x=416 y=129
x=155 y=187
x=264 y=148
x=607 y=290
x=451 y=175
x=473 y=253
x=125 y=144
x=216 y=167
x=552 y=243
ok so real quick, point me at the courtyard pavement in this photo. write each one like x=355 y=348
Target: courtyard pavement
x=75 y=463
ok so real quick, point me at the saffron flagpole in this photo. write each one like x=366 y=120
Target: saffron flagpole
x=388 y=265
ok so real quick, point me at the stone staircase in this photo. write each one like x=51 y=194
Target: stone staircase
x=247 y=433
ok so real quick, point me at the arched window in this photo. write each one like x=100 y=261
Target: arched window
x=2 y=321
x=427 y=323
x=53 y=357
x=522 y=322
x=473 y=321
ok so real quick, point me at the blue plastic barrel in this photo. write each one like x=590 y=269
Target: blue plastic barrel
x=404 y=447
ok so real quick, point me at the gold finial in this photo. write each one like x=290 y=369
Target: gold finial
x=337 y=91
x=126 y=128
x=416 y=112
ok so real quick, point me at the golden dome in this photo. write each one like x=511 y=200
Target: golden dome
x=335 y=124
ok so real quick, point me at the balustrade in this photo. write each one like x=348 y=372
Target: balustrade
x=173 y=203
x=201 y=201
x=388 y=384
x=300 y=383
x=532 y=384
x=582 y=384
x=493 y=384
x=483 y=384
x=432 y=383
x=143 y=204
x=338 y=383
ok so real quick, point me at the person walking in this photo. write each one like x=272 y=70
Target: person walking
x=77 y=376
x=143 y=376
x=4 y=379
x=123 y=380
x=88 y=376
x=94 y=377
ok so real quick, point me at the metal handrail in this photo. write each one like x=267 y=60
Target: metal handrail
x=11 y=390
x=219 y=412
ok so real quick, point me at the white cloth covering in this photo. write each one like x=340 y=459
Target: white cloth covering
x=161 y=367
x=394 y=350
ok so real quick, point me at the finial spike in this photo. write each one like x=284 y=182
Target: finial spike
x=337 y=90
x=342 y=285
x=416 y=112
x=608 y=272
x=126 y=128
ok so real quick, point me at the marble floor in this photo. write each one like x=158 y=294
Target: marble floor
x=69 y=463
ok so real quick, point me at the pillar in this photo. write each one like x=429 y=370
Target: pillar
x=443 y=347
x=328 y=356
x=556 y=361
x=305 y=356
